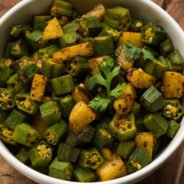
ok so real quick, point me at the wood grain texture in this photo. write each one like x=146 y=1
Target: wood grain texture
x=170 y=173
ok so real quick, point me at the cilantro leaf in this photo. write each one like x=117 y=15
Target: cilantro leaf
x=99 y=103
x=147 y=54
x=117 y=90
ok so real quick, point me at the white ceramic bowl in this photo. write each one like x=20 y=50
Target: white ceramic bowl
x=143 y=9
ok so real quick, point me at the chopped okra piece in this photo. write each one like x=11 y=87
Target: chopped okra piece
x=23 y=156
x=156 y=123
x=78 y=66
x=139 y=158
x=176 y=60
x=61 y=170
x=3 y=115
x=152 y=99
x=50 y=112
x=38 y=87
x=84 y=174
x=61 y=7
x=102 y=138
x=69 y=39
x=26 y=104
x=173 y=128
x=136 y=109
x=5 y=73
x=67 y=153
x=6 y=134
x=80 y=117
x=40 y=22
x=52 y=69
x=118 y=18
x=136 y=25
x=111 y=169
x=40 y=156
x=15 y=118
x=125 y=148
x=90 y=158
x=109 y=31
x=173 y=110
x=83 y=49
x=19 y=30
x=153 y=34
x=166 y=61
x=103 y=45
x=123 y=127
x=145 y=140
x=6 y=99
x=62 y=85
x=17 y=49
x=66 y=104
x=48 y=51
x=26 y=74
x=35 y=40
x=166 y=47
x=71 y=27
x=26 y=135
x=55 y=132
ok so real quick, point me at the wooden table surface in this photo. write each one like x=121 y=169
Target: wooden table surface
x=170 y=173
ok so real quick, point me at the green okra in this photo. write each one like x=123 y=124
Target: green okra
x=118 y=18
x=125 y=148
x=123 y=127
x=156 y=123
x=40 y=22
x=26 y=104
x=67 y=153
x=34 y=39
x=90 y=158
x=167 y=62
x=102 y=138
x=5 y=74
x=61 y=170
x=78 y=66
x=173 y=128
x=23 y=155
x=7 y=100
x=50 y=112
x=153 y=34
x=26 y=135
x=139 y=122
x=177 y=60
x=61 y=7
x=166 y=47
x=17 y=49
x=173 y=110
x=62 y=85
x=103 y=45
x=66 y=104
x=136 y=109
x=52 y=69
x=84 y=174
x=15 y=118
x=138 y=159
x=72 y=26
x=18 y=31
x=109 y=31
x=136 y=25
x=152 y=99
x=6 y=134
x=3 y=115
x=55 y=132
x=69 y=38
x=40 y=156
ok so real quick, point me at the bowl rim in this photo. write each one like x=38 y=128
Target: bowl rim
x=163 y=156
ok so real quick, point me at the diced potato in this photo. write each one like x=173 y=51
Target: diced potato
x=98 y=11
x=123 y=104
x=93 y=64
x=107 y=154
x=80 y=93
x=173 y=84
x=145 y=140
x=109 y=170
x=140 y=79
x=80 y=116
x=134 y=38
x=83 y=49
x=38 y=87
x=52 y=31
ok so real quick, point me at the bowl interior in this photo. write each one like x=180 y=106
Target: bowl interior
x=140 y=9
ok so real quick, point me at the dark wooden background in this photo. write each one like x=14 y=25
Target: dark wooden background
x=172 y=172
